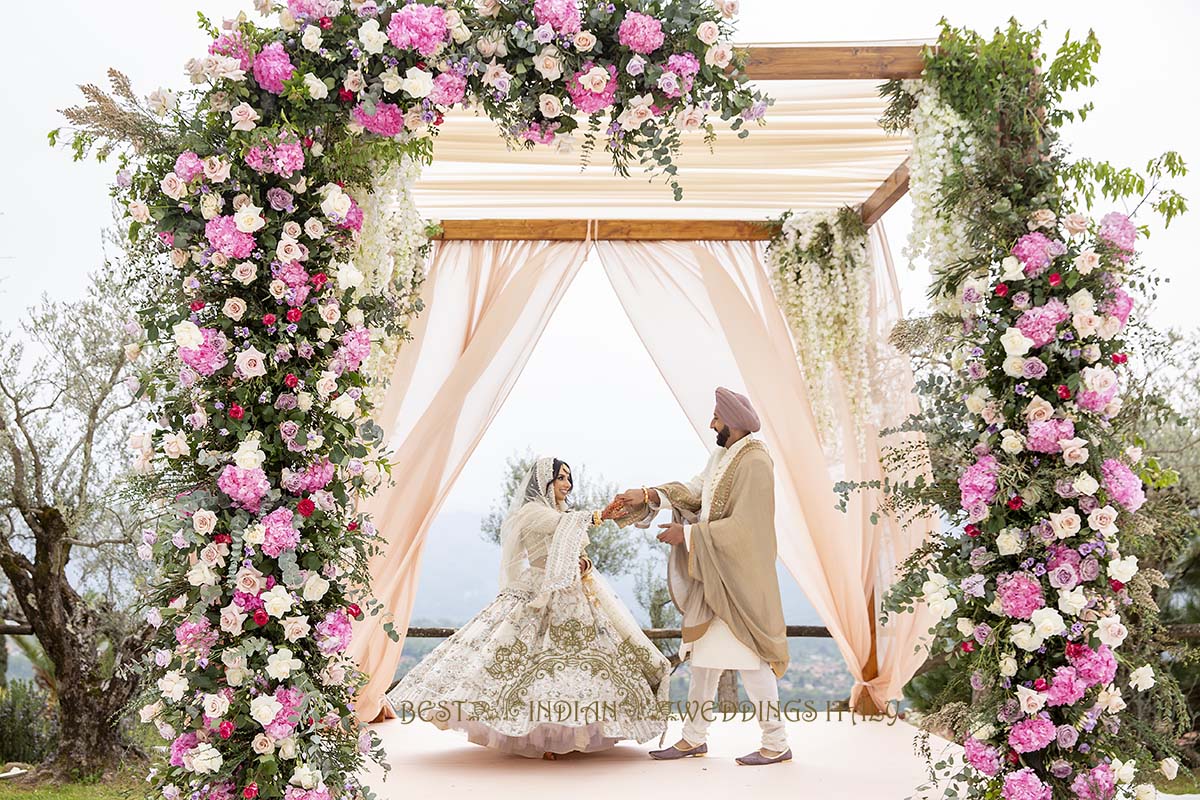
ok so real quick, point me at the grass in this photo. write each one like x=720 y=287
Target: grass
x=1183 y=784
x=111 y=790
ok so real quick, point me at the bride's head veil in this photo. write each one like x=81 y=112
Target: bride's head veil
x=535 y=490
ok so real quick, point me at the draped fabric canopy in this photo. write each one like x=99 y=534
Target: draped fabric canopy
x=821 y=147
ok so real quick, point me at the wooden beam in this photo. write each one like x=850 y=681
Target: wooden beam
x=791 y=62
x=605 y=229
x=883 y=198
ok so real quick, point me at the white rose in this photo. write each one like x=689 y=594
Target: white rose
x=1142 y=678
x=336 y=203
x=255 y=535
x=210 y=205
x=314 y=228
x=175 y=445
x=354 y=81
x=250 y=363
x=1111 y=631
x=548 y=63
x=326 y=385
x=1169 y=767
x=1145 y=791
x=316 y=87
x=150 y=711
x=245 y=272
x=1125 y=771
x=1110 y=699
x=1015 y=343
x=595 y=79
x=965 y=626
x=282 y=663
x=288 y=250
x=372 y=38
x=418 y=82
x=330 y=313
x=1008 y=543
x=729 y=8
x=215 y=705
x=1074 y=451
x=205 y=758
x=232 y=619
x=204 y=522
x=348 y=277
x=1066 y=523
x=1031 y=701
x=1011 y=441
x=344 y=406
x=1123 y=569
x=392 y=82
x=263 y=744
x=1048 y=622
x=1008 y=666
x=305 y=777
x=1104 y=520
x=584 y=41
x=295 y=628
x=690 y=118
x=1081 y=302
x=249 y=218
x=1086 y=261
x=248 y=456
x=201 y=574
x=1012 y=269
x=287 y=747
x=139 y=211
x=550 y=106
x=1085 y=484
x=245 y=118
x=173 y=685
x=1014 y=366
x=1073 y=601
x=977 y=399
x=315 y=587
x=277 y=601
x=719 y=55
x=304 y=401
x=708 y=32
x=1023 y=636
x=264 y=709
x=312 y=38
x=187 y=334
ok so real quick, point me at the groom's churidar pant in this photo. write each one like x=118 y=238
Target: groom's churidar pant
x=761 y=687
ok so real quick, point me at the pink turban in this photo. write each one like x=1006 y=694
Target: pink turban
x=735 y=410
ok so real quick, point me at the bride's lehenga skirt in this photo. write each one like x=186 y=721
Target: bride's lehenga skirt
x=578 y=674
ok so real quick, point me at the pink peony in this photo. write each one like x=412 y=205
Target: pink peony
x=586 y=100
x=977 y=485
x=1118 y=230
x=561 y=15
x=272 y=67
x=1032 y=734
x=280 y=535
x=1122 y=484
x=1041 y=323
x=641 y=33
x=1044 y=436
x=418 y=27
x=245 y=487
x=983 y=757
x=1067 y=688
x=449 y=88
x=1020 y=594
x=386 y=120
x=1100 y=783
x=223 y=234
x=210 y=355
x=1036 y=250
x=1024 y=784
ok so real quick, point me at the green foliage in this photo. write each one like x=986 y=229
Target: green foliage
x=28 y=723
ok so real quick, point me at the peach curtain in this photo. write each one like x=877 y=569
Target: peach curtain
x=717 y=298
x=486 y=306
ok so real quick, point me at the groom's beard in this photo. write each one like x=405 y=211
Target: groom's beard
x=723 y=436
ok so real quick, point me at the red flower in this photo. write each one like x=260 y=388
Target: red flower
x=1001 y=290
x=319 y=279
x=293 y=314
x=1064 y=393
x=306 y=507
x=236 y=411
x=250 y=792
x=308 y=142
x=1013 y=758
x=260 y=617
x=972 y=530
x=1055 y=279
x=225 y=729
x=354 y=610
x=439 y=119
x=1040 y=684
x=345 y=95
x=223 y=538
x=268 y=320
x=325 y=22
x=1015 y=502
x=1116 y=585
x=1119 y=358
x=1074 y=649
x=196 y=305
x=967 y=646
x=353 y=526
x=291 y=380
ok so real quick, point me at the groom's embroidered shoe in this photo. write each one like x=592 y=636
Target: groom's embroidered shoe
x=757 y=759
x=674 y=752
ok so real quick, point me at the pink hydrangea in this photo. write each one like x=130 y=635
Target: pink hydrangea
x=386 y=120
x=1122 y=484
x=188 y=166
x=1098 y=783
x=272 y=67
x=183 y=744
x=280 y=534
x=1024 y=784
x=1035 y=251
x=1118 y=230
x=1020 y=594
x=310 y=9
x=245 y=487
x=586 y=100
x=293 y=274
x=1043 y=436
x=418 y=27
x=1093 y=667
x=283 y=158
x=354 y=217
x=977 y=485
x=333 y=633
x=314 y=477
x=1119 y=305
x=982 y=757
x=198 y=637
x=223 y=234
x=1066 y=689
x=288 y=716
x=561 y=15
x=641 y=33
x=234 y=46
x=1032 y=734
x=1041 y=322
x=356 y=346
x=449 y=88
x=683 y=64
x=210 y=355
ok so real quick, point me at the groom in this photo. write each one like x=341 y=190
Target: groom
x=721 y=576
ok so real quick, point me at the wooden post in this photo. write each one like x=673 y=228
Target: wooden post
x=727 y=693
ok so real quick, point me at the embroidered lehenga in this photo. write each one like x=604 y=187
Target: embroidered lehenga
x=555 y=662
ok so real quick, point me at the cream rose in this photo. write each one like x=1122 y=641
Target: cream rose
x=173 y=187
x=245 y=272
x=204 y=522
x=595 y=79
x=1086 y=261
x=1074 y=451
x=550 y=106
x=249 y=218
x=251 y=364
x=234 y=308
x=316 y=87
x=549 y=63
x=245 y=118
x=719 y=55
x=584 y=41
x=708 y=32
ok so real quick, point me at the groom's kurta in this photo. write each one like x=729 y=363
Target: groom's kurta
x=723 y=577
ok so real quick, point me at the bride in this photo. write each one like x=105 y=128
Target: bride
x=555 y=663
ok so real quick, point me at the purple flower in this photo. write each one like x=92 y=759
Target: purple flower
x=280 y=199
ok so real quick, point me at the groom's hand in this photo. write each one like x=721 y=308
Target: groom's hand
x=672 y=534
x=633 y=497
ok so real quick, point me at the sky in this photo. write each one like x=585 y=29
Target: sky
x=53 y=210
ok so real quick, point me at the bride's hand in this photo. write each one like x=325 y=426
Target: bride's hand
x=585 y=565
x=613 y=510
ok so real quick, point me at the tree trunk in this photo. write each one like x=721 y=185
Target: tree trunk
x=3 y=661
x=727 y=691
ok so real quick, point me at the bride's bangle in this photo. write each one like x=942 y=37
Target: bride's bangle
x=597 y=520
x=645 y=495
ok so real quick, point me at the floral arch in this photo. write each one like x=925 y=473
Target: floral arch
x=271 y=212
